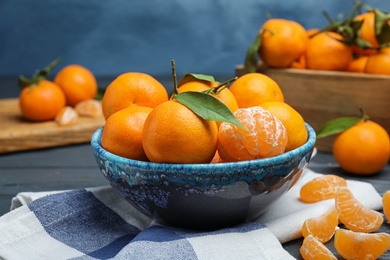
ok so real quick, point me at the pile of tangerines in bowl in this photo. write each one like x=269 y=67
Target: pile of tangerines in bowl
x=357 y=43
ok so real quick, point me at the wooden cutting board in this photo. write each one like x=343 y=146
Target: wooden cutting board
x=18 y=134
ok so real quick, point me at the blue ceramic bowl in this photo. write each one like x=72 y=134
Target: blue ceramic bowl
x=203 y=196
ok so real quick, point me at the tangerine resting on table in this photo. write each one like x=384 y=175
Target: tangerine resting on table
x=122 y=132
x=265 y=136
x=312 y=248
x=77 y=82
x=253 y=89
x=175 y=134
x=323 y=226
x=354 y=215
x=363 y=148
x=132 y=88
x=321 y=188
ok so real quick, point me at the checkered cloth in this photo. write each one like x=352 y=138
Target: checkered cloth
x=96 y=223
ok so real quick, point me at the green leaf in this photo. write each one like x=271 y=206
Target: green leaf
x=207 y=107
x=336 y=126
x=191 y=77
x=251 y=59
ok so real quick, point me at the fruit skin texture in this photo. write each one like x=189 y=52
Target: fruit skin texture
x=174 y=134
x=42 y=101
x=354 y=215
x=122 y=132
x=312 y=249
x=225 y=96
x=386 y=205
x=132 y=88
x=378 y=63
x=253 y=89
x=326 y=52
x=321 y=188
x=77 y=82
x=355 y=245
x=295 y=125
x=282 y=42
x=265 y=136
x=362 y=149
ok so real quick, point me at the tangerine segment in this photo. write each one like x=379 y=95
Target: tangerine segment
x=321 y=188
x=354 y=215
x=89 y=108
x=322 y=227
x=357 y=245
x=265 y=136
x=386 y=205
x=312 y=248
x=67 y=116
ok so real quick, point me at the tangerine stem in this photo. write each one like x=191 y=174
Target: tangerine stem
x=175 y=89
x=364 y=115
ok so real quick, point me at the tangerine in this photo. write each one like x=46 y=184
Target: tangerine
x=363 y=148
x=122 y=132
x=41 y=101
x=366 y=33
x=358 y=64
x=293 y=121
x=67 y=116
x=253 y=89
x=312 y=249
x=321 y=188
x=323 y=226
x=326 y=51
x=265 y=136
x=77 y=82
x=356 y=245
x=89 y=108
x=175 y=134
x=354 y=215
x=378 y=63
x=282 y=42
x=132 y=88
x=225 y=96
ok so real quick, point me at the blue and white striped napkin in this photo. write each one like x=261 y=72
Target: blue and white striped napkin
x=96 y=223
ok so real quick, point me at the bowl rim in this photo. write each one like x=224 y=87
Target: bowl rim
x=309 y=145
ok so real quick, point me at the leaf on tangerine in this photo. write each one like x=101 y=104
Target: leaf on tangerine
x=336 y=126
x=191 y=77
x=207 y=107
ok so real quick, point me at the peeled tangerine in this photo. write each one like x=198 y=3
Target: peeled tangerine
x=264 y=136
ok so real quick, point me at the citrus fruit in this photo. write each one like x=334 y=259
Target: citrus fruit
x=386 y=205
x=378 y=63
x=67 y=116
x=89 y=108
x=132 y=88
x=363 y=148
x=325 y=51
x=312 y=248
x=356 y=245
x=354 y=215
x=292 y=120
x=358 y=64
x=77 y=82
x=41 y=101
x=264 y=136
x=366 y=33
x=321 y=188
x=282 y=42
x=225 y=96
x=175 y=134
x=253 y=89
x=122 y=132
x=323 y=226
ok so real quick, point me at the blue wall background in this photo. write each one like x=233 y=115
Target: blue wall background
x=115 y=36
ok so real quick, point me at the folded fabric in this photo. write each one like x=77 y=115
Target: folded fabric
x=96 y=223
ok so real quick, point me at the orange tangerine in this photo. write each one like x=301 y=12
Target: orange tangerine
x=321 y=188
x=323 y=226
x=312 y=248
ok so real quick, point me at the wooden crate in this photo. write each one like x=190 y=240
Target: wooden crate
x=320 y=96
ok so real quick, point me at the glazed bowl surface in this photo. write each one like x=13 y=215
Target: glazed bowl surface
x=203 y=196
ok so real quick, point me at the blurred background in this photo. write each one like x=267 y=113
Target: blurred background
x=117 y=36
